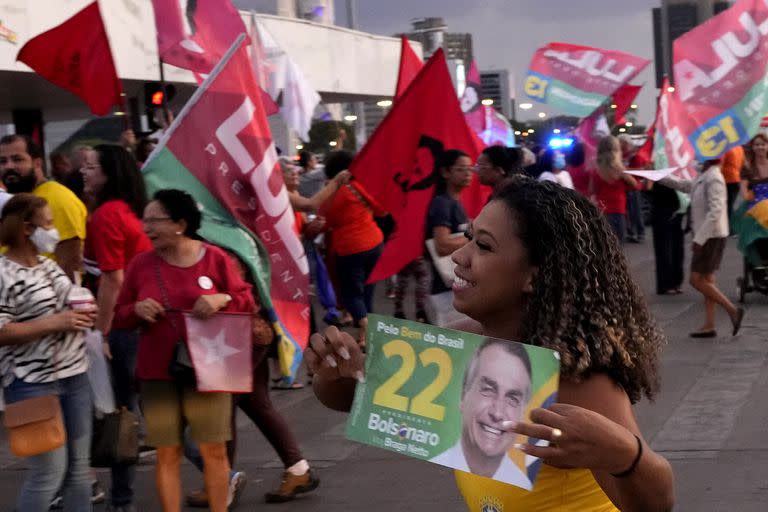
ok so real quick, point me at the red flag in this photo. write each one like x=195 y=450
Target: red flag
x=76 y=56
x=213 y=27
x=623 y=98
x=410 y=65
x=220 y=353
x=398 y=165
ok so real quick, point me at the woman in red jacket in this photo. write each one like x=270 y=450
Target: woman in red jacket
x=611 y=184
x=180 y=274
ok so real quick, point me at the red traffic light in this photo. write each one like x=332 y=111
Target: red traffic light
x=157 y=98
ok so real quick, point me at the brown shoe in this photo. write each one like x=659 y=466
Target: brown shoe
x=291 y=486
x=198 y=499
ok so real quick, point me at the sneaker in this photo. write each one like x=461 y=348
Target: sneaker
x=57 y=502
x=97 y=496
x=199 y=498
x=97 y=493
x=236 y=485
x=292 y=485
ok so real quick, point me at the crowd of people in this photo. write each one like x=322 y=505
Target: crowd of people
x=142 y=258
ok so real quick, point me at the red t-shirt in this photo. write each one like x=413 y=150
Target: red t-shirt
x=114 y=236
x=351 y=223
x=611 y=196
x=214 y=273
x=580 y=177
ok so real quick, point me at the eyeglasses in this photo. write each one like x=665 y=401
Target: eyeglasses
x=154 y=220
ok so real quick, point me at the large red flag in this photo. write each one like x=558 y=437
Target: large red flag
x=623 y=98
x=213 y=25
x=76 y=56
x=410 y=65
x=398 y=165
x=220 y=150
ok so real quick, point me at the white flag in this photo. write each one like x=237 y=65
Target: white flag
x=277 y=73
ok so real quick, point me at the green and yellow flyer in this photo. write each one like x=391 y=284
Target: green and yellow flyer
x=444 y=396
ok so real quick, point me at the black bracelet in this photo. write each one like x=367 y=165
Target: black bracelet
x=632 y=468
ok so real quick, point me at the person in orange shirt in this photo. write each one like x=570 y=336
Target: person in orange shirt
x=356 y=240
x=731 y=166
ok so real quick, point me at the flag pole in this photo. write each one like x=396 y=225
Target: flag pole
x=164 y=105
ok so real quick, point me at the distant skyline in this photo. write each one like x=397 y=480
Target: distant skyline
x=506 y=33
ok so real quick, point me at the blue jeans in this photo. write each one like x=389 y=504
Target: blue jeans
x=618 y=222
x=70 y=463
x=353 y=272
x=124 y=345
x=635 y=224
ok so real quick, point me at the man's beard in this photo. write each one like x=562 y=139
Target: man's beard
x=16 y=183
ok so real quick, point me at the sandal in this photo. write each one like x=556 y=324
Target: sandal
x=287 y=387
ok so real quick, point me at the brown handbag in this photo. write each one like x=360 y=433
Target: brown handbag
x=35 y=425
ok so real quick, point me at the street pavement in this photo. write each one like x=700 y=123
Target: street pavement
x=710 y=420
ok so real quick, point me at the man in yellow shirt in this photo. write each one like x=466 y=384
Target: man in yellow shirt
x=22 y=169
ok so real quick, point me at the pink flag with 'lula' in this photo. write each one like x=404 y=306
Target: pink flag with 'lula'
x=220 y=349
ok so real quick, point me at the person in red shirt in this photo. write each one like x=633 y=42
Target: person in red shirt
x=181 y=273
x=356 y=240
x=114 y=236
x=610 y=185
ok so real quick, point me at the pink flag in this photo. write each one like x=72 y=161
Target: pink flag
x=198 y=38
x=220 y=349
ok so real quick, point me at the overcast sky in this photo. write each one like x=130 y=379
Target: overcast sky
x=506 y=33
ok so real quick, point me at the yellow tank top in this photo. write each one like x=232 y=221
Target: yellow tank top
x=555 y=490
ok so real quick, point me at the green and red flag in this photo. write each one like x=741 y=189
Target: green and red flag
x=720 y=78
x=670 y=146
x=220 y=150
x=576 y=80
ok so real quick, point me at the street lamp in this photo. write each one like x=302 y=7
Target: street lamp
x=350 y=118
x=517 y=132
x=614 y=106
x=622 y=130
x=633 y=107
x=333 y=143
x=384 y=103
x=531 y=130
x=628 y=124
x=542 y=115
x=299 y=147
x=526 y=106
x=487 y=102
x=556 y=130
x=670 y=89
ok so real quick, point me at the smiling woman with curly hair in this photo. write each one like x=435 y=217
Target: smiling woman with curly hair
x=567 y=288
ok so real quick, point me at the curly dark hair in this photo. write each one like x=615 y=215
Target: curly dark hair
x=585 y=304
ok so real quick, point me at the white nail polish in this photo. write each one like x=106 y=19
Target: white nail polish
x=509 y=424
x=331 y=361
x=360 y=377
x=344 y=353
x=518 y=446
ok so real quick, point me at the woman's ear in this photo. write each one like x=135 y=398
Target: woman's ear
x=530 y=279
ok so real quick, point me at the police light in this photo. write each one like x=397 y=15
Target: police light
x=560 y=142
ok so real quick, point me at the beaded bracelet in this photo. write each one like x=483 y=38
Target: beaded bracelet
x=632 y=468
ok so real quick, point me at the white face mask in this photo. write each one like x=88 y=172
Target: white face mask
x=45 y=239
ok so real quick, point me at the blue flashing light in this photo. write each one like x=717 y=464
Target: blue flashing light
x=560 y=142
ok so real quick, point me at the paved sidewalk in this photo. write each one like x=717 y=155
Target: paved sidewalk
x=710 y=420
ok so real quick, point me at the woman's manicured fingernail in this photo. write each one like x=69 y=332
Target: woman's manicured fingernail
x=509 y=424
x=520 y=446
x=344 y=353
x=360 y=377
x=331 y=361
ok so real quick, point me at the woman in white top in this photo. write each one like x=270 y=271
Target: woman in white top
x=42 y=351
x=709 y=211
x=554 y=169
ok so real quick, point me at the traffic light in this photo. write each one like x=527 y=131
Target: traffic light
x=155 y=99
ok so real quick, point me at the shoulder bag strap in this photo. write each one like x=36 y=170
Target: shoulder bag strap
x=360 y=197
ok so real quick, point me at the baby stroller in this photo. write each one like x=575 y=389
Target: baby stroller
x=755 y=276
x=750 y=222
